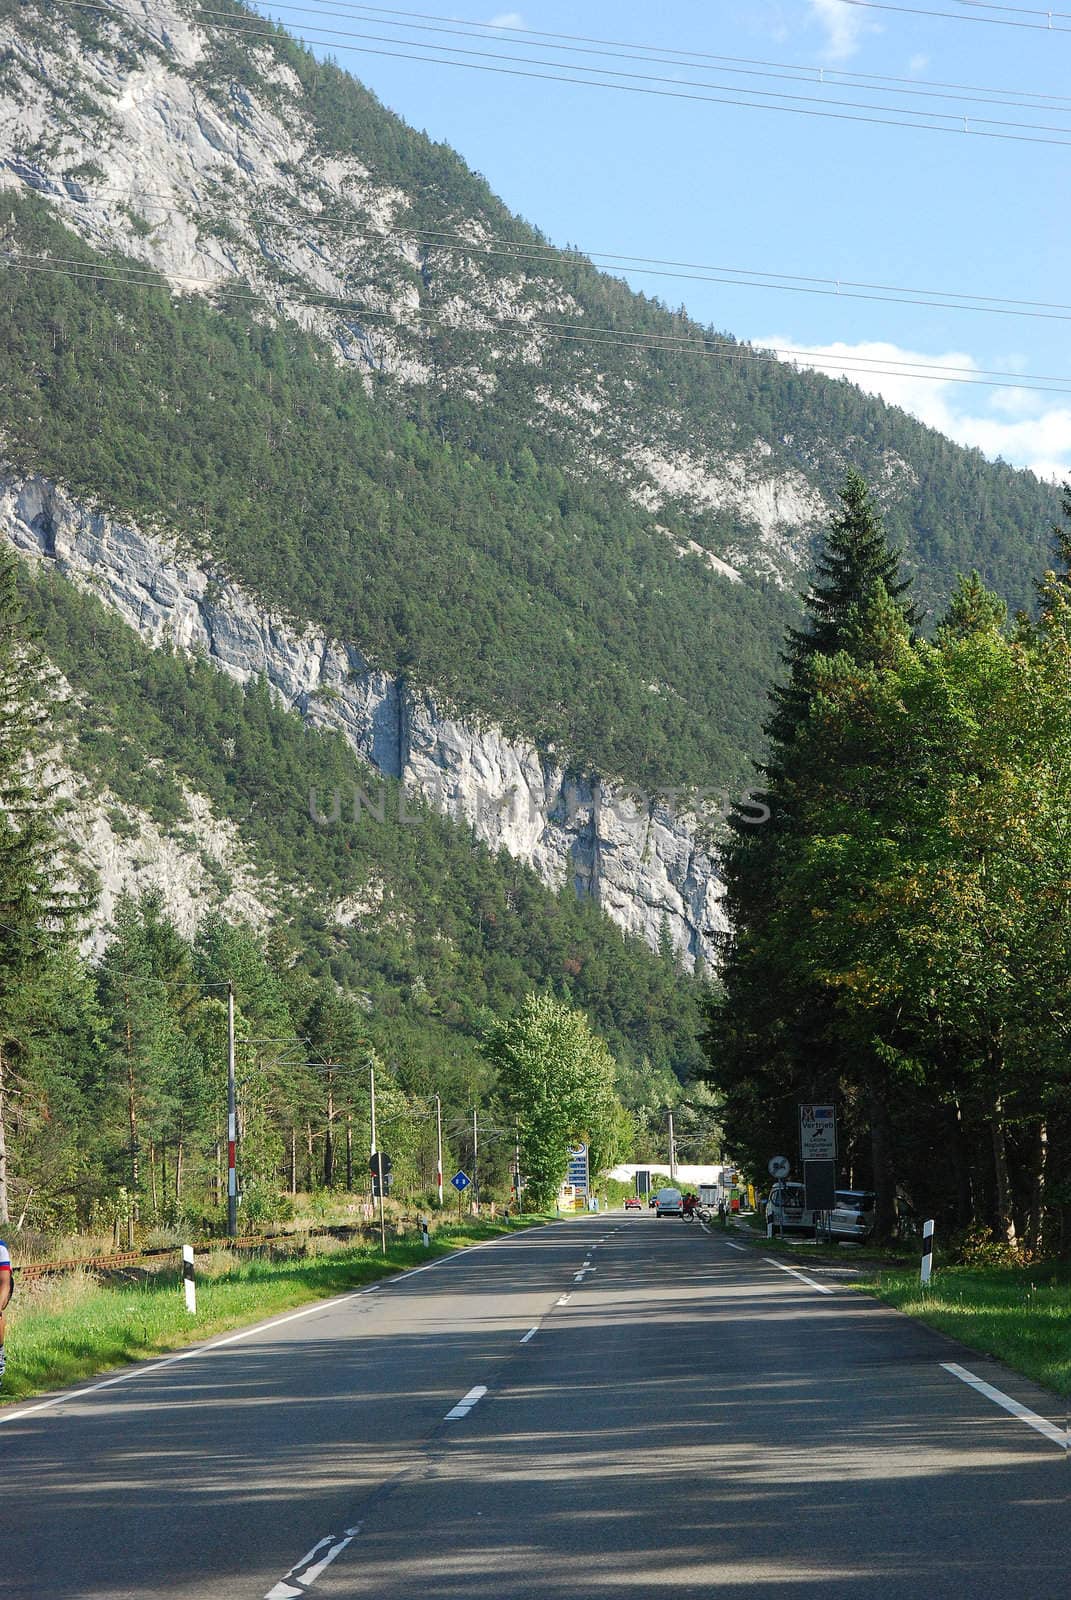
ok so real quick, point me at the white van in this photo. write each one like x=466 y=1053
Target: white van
x=669 y=1203
x=787 y=1210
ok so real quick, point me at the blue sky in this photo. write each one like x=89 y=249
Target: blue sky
x=776 y=192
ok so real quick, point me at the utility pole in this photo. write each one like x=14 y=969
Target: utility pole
x=439 y=1148
x=475 y=1164
x=232 y=1123
x=672 y=1149
x=375 y=1151
x=517 y=1171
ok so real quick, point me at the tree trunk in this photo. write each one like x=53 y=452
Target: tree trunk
x=1004 y=1221
x=5 y=1216
x=178 y=1173
x=293 y=1160
x=311 y=1169
x=1040 y=1161
x=349 y=1153
x=881 y=1160
x=961 y=1169
x=152 y=1177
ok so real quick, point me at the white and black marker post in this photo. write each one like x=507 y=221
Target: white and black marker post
x=187 y=1279
x=425 y=1236
x=927 y=1252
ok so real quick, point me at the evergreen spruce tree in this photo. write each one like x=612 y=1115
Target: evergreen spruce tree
x=772 y=1039
x=36 y=910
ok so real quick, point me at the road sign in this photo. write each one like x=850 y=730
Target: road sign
x=820 y=1185
x=578 y=1174
x=818 y=1133
x=779 y=1166
x=461 y=1181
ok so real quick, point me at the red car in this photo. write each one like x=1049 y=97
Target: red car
x=633 y=1203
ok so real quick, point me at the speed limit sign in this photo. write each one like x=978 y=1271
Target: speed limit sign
x=779 y=1167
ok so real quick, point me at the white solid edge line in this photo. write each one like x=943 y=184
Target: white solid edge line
x=466 y=1403
x=822 y=1288
x=530 y=1334
x=247 y=1333
x=733 y=1246
x=1024 y=1414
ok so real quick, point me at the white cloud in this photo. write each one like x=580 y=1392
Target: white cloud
x=844 y=25
x=1026 y=428
x=918 y=64
x=507 y=19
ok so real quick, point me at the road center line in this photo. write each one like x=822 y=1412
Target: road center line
x=1024 y=1414
x=466 y=1403
x=530 y=1334
x=821 y=1287
x=300 y=1579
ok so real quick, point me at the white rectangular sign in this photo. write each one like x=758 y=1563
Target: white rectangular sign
x=818 y=1133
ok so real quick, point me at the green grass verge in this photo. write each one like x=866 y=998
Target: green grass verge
x=73 y=1327
x=1020 y=1315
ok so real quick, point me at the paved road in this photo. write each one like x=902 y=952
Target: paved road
x=691 y=1422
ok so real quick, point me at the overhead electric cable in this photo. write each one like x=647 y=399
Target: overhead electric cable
x=736 y=65
x=964 y=16
x=621 y=339
x=535 y=255
x=983 y=128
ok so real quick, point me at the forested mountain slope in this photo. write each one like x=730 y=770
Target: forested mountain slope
x=249 y=310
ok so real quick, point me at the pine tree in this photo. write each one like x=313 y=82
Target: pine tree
x=37 y=911
x=772 y=1039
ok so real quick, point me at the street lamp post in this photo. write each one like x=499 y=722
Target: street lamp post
x=439 y=1148
x=232 y=1123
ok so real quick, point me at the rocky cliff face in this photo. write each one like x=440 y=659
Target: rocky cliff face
x=642 y=861
x=138 y=127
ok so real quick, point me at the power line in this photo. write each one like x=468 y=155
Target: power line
x=737 y=65
x=984 y=128
x=964 y=16
x=536 y=255
x=602 y=337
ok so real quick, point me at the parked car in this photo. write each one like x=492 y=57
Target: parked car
x=852 y=1216
x=633 y=1202
x=669 y=1203
x=787 y=1210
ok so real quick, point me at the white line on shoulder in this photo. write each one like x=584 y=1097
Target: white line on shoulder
x=1039 y=1424
x=821 y=1287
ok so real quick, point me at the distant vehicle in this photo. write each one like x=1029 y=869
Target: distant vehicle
x=708 y=1196
x=668 y=1203
x=787 y=1210
x=633 y=1203
x=853 y=1214
x=652 y=1200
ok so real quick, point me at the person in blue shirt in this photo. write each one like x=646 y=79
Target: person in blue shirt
x=6 y=1286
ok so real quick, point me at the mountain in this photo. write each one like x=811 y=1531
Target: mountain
x=286 y=386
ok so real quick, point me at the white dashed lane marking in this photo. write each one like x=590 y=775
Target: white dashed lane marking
x=466 y=1403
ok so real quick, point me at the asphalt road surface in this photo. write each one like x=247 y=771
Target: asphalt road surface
x=685 y=1420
